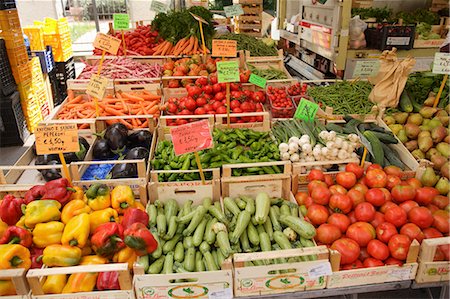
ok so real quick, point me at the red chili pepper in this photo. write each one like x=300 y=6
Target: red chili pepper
x=35 y=193
x=11 y=209
x=107 y=239
x=133 y=215
x=58 y=190
x=108 y=281
x=36 y=257
x=17 y=235
x=138 y=237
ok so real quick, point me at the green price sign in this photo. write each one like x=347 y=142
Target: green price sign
x=227 y=71
x=306 y=110
x=121 y=21
x=158 y=7
x=233 y=10
x=258 y=81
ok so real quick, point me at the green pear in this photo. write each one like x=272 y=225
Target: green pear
x=389 y=120
x=418 y=154
x=443 y=186
x=444 y=149
x=434 y=123
x=415 y=118
x=429 y=178
x=400 y=117
x=395 y=128
x=427 y=112
x=402 y=136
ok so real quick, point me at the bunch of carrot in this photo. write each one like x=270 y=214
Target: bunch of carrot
x=185 y=46
x=122 y=104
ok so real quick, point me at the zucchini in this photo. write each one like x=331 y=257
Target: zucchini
x=252 y=234
x=170 y=208
x=199 y=265
x=199 y=232
x=377 y=149
x=179 y=252
x=172 y=228
x=416 y=106
x=161 y=224
x=242 y=223
x=264 y=241
x=156 y=266
x=168 y=264
x=170 y=245
x=405 y=102
x=189 y=259
x=282 y=240
x=274 y=219
x=262 y=207
x=152 y=213
x=210 y=235
x=300 y=226
x=388 y=138
x=240 y=203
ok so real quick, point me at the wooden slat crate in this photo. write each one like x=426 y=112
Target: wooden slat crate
x=17 y=276
x=362 y=3
x=430 y=271
x=437 y=5
x=248 y=26
x=248 y=2
x=35 y=276
x=252 y=10
x=276 y=63
x=347 y=278
x=249 y=18
x=249 y=58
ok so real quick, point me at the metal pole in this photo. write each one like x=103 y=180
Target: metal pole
x=94 y=11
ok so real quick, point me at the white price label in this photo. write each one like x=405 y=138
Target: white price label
x=397 y=41
x=401 y=273
x=323 y=269
x=367 y=68
x=159 y=7
x=441 y=63
x=222 y=294
x=97 y=86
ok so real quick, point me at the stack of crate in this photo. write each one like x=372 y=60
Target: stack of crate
x=57 y=35
x=39 y=87
x=437 y=5
x=250 y=22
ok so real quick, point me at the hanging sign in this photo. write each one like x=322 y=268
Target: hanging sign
x=227 y=71
x=364 y=69
x=97 y=86
x=441 y=64
x=159 y=7
x=233 y=10
x=191 y=137
x=107 y=43
x=121 y=21
x=57 y=138
x=257 y=80
x=224 y=48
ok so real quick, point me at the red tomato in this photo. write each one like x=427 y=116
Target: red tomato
x=431 y=233
x=365 y=212
x=356 y=197
x=200 y=111
x=393 y=170
x=190 y=104
x=219 y=96
x=317 y=214
x=445 y=250
x=361 y=188
x=393 y=261
x=235 y=104
x=371 y=262
x=314 y=184
x=329 y=180
x=385 y=231
x=316 y=174
x=208 y=89
x=375 y=196
x=399 y=246
x=379 y=218
x=374 y=166
x=392 y=181
x=308 y=202
x=387 y=194
x=321 y=195
x=337 y=189
x=361 y=232
x=386 y=206
x=441 y=221
x=221 y=110
x=216 y=88
x=346 y=179
x=355 y=168
x=172 y=108
x=327 y=233
x=246 y=107
x=401 y=193
x=412 y=231
x=301 y=197
x=432 y=208
x=376 y=178
x=352 y=217
x=396 y=215
x=355 y=265
x=194 y=91
x=440 y=201
x=425 y=195
x=413 y=182
x=439 y=255
x=348 y=249
x=339 y=220
x=420 y=216
x=363 y=254
x=408 y=205
x=340 y=203
x=378 y=249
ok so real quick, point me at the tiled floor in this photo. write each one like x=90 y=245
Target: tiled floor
x=9 y=155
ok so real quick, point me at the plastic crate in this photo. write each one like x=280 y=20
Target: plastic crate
x=283 y=112
x=7 y=4
x=36 y=36
x=7 y=83
x=65 y=71
x=22 y=74
x=9 y=20
x=390 y=36
x=46 y=58
x=13 y=127
x=12 y=39
x=58 y=92
x=17 y=57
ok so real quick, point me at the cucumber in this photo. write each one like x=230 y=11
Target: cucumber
x=386 y=137
x=405 y=102
x=377 y=149
x=334 y=127
x=392 y=156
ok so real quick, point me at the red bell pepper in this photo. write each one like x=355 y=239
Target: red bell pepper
x=35 y=193
x=17 y=235
x=108 y=281
x=36 y=257
x=133 y=215
x=107 y=239
x=139 y=238
x=59 y=190
x=11 y=209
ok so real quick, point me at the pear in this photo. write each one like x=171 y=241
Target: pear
x=437 y=134
x=412 y=130
x=443 y=148
x=443 y=186
x=425 y=143
x=445 y=169
x=444 y=120
x=389 y=120
x=425 y=128
x=441 y=113
x=402 y=136
x=430 y=100
x=412 y=145
x=434 y=123
x=447 y=139
x=438 y=161
x=415 y=118
x=447 y=109
x=424 y=133
x=427 y=112
x=418 y=154
x=400 y=117
x=395 y=128
x=425 y=122
x=431 y=153
x=429 y=178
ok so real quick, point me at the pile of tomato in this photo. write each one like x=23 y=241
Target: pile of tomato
x=281 y=105
x=371 y=217
x=207 y=96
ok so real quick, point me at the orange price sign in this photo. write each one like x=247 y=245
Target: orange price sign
x=107 y=43
x=57 y=138
x=191 y=137
x=224 y=48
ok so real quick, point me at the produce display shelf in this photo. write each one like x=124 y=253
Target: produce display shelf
x=19 y=281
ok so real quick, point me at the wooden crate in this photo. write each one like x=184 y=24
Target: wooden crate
x=35 y=276
x=437 y=5
x=252 y=10
x=17 y=276
x=249 y=18
x=383 y=274
x=276 y=63
x=248 y=2
x=248 y=26
x=362 y=3
x=430 y=271
x=249 y=58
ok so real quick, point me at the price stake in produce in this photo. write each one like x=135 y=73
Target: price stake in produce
x=233 y=10
x=257 y=80
x=441 y=65
x=224 y=48
x=57 y=139
x=201 y=21
x=121 y=22
x=306 y=110
x=227 y=71
x=96 y=87
x=191 y=138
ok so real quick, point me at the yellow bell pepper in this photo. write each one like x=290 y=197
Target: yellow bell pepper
x=98 y=197
x=14 y=256
x=93 y=260
x=61 y=256
x=54 y=284
x=40 y=211
x=76 y=231
x=126 y=255
x=3 y=228
x=74 y=208
x=122 y=197
x=45 y=234
x=21 y=223
x=139 y=205
x=7 y=288
x=98 y=218
x=78 y=194
x=80 y=282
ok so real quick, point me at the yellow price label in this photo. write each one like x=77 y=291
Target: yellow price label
x=57 y=138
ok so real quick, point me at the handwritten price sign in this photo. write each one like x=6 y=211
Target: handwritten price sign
x=58 y=138
x=121 y=21
x=366 y=69
x=97 y=86
x=224 y=48
x=233 y=10
x=306 y=110
x=107 y=43
x=227 y=71
x=158 y=7
x=191 y=137
x=441 y=64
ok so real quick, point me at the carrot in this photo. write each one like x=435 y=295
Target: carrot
x=134 y=123
x=144 y=124
x=190 y=46
x=75 y=100
x=134 y=98
x=127 y=124
x=195 y=46
x=153 y=110
x=166 y=47
x=84 y=126
x=70 y=94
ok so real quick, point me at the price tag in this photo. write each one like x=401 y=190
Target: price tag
x=158 y=7
x=227 y=71
x=222 y=294
x=364 y=69
x=402 y=273
x=224 y=48
x=97 y=86
x=233 y=10
x=121 y=21
x=198 y=18
x=107 y=43
x=58 y=138
x=258 y=81
x=323 y=269
x=306 y=110
x=441 y=64
x=191 y=137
